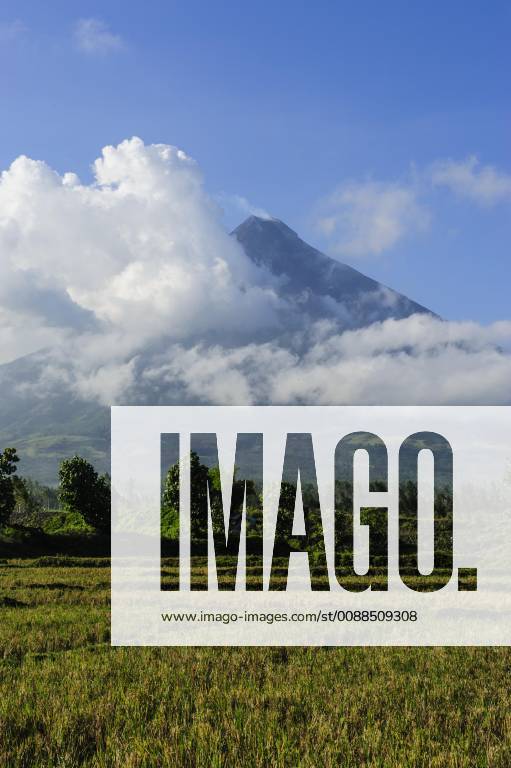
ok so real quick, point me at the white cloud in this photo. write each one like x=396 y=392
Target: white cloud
x=21 y=334
x=367 y=218
x=138 y=255
x=143 y=297
x=93 y=36
x=483 y=184
x=11 y=31
x=418 y=360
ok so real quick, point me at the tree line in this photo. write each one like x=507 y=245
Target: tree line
x=206 y=485
x=81 y=491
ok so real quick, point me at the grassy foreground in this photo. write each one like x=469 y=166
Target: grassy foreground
x=68 y=699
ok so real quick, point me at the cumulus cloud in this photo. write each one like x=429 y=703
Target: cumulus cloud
x=483 y=184
x=93 y=36
x=369 y=217
x=138 y=255
x=137 y=294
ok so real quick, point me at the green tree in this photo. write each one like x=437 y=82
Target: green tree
x=170 y=497
x=170 y=504
x=28 y=504
x=201 y=477
x=35 y=503
x=82 y=490
x=8 y=461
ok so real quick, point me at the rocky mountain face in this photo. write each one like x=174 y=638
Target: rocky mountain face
x=318 y=284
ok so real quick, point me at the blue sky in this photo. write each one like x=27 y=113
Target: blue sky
x=284 y=103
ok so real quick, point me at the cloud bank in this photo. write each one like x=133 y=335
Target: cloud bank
x=419 y=360
x=137 y=294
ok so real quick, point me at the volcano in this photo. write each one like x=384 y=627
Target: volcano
x=44 y=419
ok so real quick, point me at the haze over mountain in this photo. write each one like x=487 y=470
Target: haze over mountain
x=47 y=419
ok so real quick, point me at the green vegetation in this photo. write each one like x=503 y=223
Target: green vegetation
x=31 y=513
x=204 y=481
x=68 y=699
x=83 y=492
x=8 y=461
x=206 y=499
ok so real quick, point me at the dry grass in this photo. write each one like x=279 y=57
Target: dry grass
x=68 y=699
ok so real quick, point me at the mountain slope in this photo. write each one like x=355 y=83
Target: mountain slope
x=321 y=284
x=41 y=415
x=46 y=423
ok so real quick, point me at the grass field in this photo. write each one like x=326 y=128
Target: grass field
x=68 y=699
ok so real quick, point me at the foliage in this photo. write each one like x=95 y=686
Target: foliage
x=66 y=522
x=35 y=503
x=82 y=490
x=202 y=477
x=170 y=504
x=28 y=504
x=8 y=461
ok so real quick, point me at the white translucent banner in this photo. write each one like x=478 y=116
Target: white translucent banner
x=311 y=525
